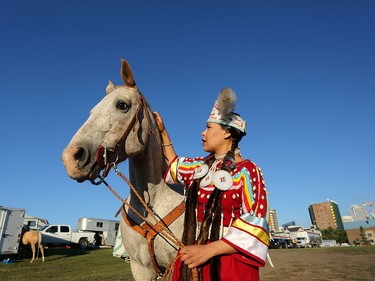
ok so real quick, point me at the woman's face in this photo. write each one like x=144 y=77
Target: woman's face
x=215 y=139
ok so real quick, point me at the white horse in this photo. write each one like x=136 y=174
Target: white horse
x=122 y=125
x=33 y=237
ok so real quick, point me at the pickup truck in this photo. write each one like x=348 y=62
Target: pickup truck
x=62 y=234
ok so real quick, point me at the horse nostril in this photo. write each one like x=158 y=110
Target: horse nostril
x=81 y=156
x=78 y=155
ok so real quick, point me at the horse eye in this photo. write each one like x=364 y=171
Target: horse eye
x=122 y=105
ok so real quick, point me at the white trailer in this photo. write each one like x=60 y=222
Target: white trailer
x=106 y=229
x=11 y=222
x=329 y=243
x=34 y=222
x=309 y=238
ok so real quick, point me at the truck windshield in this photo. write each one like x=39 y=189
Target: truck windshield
x=43 y=227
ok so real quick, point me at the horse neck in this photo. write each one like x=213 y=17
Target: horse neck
x=146 y=170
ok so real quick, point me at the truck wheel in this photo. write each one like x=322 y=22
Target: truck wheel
x=83 y=243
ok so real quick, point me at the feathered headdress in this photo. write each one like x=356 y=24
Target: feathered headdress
x=223 y=111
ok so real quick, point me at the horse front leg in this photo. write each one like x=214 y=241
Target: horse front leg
x=142 y=273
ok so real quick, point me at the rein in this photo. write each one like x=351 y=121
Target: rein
x=160 y=227
x=106 y=161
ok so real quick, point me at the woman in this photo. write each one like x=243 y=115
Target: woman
x=226 y=218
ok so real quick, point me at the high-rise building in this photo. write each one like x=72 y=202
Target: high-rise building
x=326 y=214
x=274 y=225
x=358 y=213
x=288 y=224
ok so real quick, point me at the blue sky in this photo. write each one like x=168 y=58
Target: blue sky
x=303 y=72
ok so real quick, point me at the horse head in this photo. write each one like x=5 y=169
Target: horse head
x=118 y=128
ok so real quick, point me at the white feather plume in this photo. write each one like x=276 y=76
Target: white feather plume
x=226 y=102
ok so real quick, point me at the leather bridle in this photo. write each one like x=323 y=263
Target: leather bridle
x=106 y=157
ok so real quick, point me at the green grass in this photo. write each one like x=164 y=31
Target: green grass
x=336 y=263
x=63 y=264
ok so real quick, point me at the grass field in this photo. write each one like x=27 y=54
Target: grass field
x=346 y=263
x=336 y=263
x=63 y=264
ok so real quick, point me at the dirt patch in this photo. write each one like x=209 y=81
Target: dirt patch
x=349 y=263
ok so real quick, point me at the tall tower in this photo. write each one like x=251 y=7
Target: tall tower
x=358 y=213
x=326 y=214
x=274 y=225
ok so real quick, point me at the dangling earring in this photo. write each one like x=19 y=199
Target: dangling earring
x=238 y=151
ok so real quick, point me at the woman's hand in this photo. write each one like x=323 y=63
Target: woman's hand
x=166 y=142
x=195 y=255
x=159 y=121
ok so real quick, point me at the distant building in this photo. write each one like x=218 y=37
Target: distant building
x=358 y=213
x=361 y=217
x=346 y=219
x=274 y=225
x=288 y=224
x=353 y=230
x=326 y=214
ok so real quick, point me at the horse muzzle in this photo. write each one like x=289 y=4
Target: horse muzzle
x=79 y=164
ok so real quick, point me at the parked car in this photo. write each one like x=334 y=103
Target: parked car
x=278 y=243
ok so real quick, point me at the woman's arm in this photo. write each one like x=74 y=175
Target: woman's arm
x=166 y=143
x=249 y=234
x=196 y=255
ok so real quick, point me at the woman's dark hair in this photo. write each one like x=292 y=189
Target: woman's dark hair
x=236 y=135
x=212 y=215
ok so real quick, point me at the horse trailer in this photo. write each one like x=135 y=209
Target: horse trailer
x=105 y=229
x=11 y=222
x=34 y=222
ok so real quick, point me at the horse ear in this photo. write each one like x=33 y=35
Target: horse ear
x=110 y=87
x=127 y=74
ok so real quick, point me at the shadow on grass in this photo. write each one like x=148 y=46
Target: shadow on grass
x=55 y=252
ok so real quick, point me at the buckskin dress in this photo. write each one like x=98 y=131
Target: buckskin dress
x=245 y=213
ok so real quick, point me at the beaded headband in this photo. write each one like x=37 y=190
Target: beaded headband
x=222 y=112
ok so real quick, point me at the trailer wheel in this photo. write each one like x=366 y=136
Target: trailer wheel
x=83 y=243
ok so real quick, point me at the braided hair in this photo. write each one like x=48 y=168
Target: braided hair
x=212 y=215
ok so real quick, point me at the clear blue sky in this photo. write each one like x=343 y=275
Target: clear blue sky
x=303 y=72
